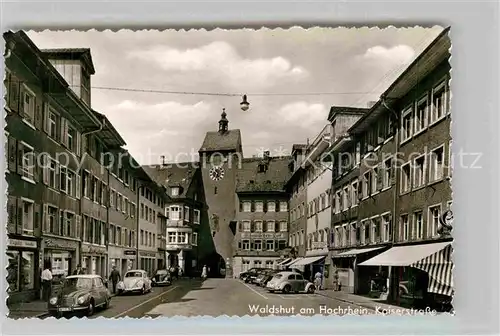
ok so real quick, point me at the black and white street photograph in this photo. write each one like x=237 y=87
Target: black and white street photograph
x=229 y=172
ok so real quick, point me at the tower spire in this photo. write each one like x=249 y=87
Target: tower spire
x=223 y=122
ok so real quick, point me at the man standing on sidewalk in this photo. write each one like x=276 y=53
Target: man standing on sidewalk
x=46 y=278
x=114 y=277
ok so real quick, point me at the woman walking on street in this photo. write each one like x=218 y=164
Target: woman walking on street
x=204 y=273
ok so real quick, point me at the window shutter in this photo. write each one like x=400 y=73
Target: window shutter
x=20 y=158
x=264 y=206
x=241 y=206
x=60 y=226
x=45 y=218
x=45 y=169
x=46 y=118
x=252 y=226
x=78 y=143
x=37 y=169
x=62 y=131
x=13 y=93
x=37 y=216
x=78 y=225
x=21 y=100
x=393 y=173
x=11 y=208
x=380 y=178
x=39 y=113
x=252 y=206
x=12 y=153
x=276 y=226
x=240 y=226
x=78 y=186
x=19 y=216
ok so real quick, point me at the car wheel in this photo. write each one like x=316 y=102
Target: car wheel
x=287 y=289
x=271 y=291
x=310 y=290
x=143 y=289
x=106 y=304
x=90 y=309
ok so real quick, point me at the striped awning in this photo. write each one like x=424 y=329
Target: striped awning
x=288 y=262
x=306 y=261
x=439 y=267
x=282 y=262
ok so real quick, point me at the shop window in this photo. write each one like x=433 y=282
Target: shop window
x=13 y=271
x=27 y=272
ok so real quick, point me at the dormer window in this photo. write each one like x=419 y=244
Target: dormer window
x=174 y=191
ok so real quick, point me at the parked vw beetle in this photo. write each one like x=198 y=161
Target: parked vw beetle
x=287 y=282
x=161 y=278
x=135 y=281
x=80 y=294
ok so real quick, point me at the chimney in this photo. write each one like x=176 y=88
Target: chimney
x=162 y=158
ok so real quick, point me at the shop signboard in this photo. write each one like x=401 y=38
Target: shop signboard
x=21 y=243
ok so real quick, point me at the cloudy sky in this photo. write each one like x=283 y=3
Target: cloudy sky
x=354 y=66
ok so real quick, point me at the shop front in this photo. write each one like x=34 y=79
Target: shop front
x=62 y=255
x=309 y=266
x=94 y=260
x=160 y=259
x=23 y=269
x=123 y=259
x=350 y=278
x=147 y=261
x=417 y=275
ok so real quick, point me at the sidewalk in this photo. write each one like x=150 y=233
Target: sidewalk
x=359 y=300
x=33 y=309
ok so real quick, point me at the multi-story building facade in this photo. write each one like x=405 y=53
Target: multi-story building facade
x=45 y=120
x=401 y=148
x=296 y=187
x=262 y=217
x=184 y=213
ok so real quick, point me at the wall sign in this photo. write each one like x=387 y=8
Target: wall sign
x=130 y=252
x=21 y=243
x=60 y=244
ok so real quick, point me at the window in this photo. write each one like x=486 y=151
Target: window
x=436 y=164
x=194 y=239
x=247 y=206
x=386 y=228
x=196 y=216
x=439 y=106
x=257 y=264
x=352 y=234
x=366 y=186
x=186 y=213
x=345 y=201
x=283 y=206
x=174 y=191
x=28 y=163
x=407 y=130
x=421 y=115
x=270 y=245
x=433 y=221
x=172 y=237
x=71 y=139
x=418 y=225
x=338 y=204
x=270 y=226
x=405 y=178
x=28 y=101
x=283 y=226
x=258 y=226
x=246 y=245
x=323 y=202
x=175 y=213
x=52 y=173
x=354 y=193
x=246 y=226
x=271 y=206
x=28 y=213
x=386 y=183
x=358 y=153
x=269 y=264
x=257 y=245
x=450 y=159
x=52 y=218
x=52 y=125
x=259 y=206
x=374 y=183
x=419 y=174
x=404 y=228
x=119 y=235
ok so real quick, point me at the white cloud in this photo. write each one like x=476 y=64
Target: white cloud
x=303 y=114
x=397 y=54
x=219 y=60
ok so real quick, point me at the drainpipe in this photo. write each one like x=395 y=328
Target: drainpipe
x=394 y=197
x=97 y=130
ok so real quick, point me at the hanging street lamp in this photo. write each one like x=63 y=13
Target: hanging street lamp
x=245 y=105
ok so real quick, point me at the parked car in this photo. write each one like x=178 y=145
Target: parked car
x=244 y=274
x=135 y=281
x=80 y=294
x=264 y=277
x=249 y=275
x=267 y=278
x=260 y=273
x=161 y=278
x=287 y=282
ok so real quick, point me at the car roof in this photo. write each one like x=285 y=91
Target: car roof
x=86 y=276
x=136 y=270
x=287 y=273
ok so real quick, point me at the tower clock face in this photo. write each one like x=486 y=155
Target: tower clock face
x=216 y=173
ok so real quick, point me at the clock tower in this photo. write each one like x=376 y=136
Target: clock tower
x=220 y=157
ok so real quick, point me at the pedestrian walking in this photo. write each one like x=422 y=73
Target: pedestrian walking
x=180 y=272
x=317 y=280
x=114 y=277
x=46 y=278
x=78 y=270
x=204 y=273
